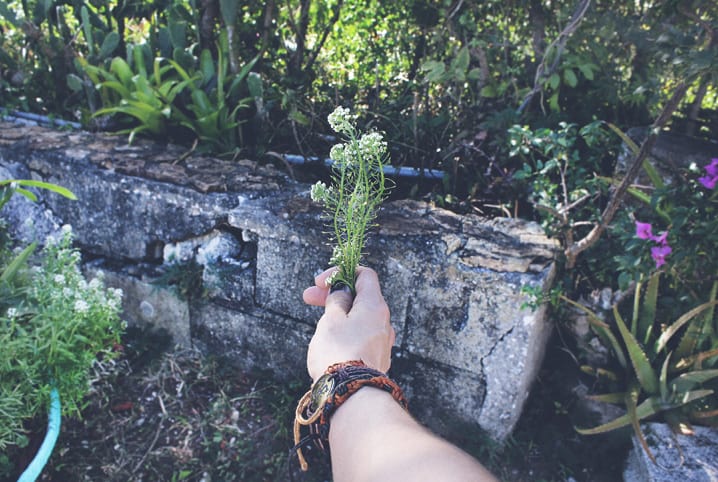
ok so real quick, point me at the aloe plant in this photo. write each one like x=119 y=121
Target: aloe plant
x=663 y=372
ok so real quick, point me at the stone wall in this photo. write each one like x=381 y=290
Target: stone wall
x=466 y=352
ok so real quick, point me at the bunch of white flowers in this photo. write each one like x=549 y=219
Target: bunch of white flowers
x=358 y=188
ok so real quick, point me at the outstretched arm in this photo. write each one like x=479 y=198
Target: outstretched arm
x=371 y=436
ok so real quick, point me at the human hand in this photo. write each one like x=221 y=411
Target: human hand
x=357 y=329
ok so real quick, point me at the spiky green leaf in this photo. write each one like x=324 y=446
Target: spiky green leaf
x=641 y=364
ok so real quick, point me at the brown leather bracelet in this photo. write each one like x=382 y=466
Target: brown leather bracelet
x=339 y=382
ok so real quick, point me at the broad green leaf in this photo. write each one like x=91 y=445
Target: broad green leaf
x=642 y=366
x=569 y=76
x=488 y=91
x=122 y=70
x=228 y=9
x=206 y=65
x=679 y=323
x=460 y=63
x=74 y=83
x=109 y=44
x=553 y=81
x=587 y=70
x=116 y=86
x=436 y=71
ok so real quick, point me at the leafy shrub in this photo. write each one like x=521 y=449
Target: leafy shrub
x=53 y=326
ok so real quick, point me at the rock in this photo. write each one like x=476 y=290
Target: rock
x=691 y=458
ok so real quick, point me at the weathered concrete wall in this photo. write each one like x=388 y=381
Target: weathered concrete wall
x=466 y=353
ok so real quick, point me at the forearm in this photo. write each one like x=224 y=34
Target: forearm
x=373 y=438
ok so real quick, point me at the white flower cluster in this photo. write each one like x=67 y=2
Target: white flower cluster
x=319 y=192
x=372 y=144
x=341 y=120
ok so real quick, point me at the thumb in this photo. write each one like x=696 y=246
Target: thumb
x=339 y=300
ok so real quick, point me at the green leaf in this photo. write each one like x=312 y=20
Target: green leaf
x=696 y=332
x=488 y=91
x=9 y=15
x=553 y=81
x=609 y=397
x=299 y=118
x=460 y=63
x=74 y=83
x=631 y=401
x=679 y=323
x=206 y=66
x=602 y=329
x=42 y=185
x=87 y=30
x=122 y=70
x=109 y=44
x=228 y=8
x=687 y=381
x=650 y=406
x=255 y=85
x=436 y=71
x=569 y=76
x=647 y=408
x=641 y=365
x=553 y=102
x=9 y=273
x=647 y=316
x=587 y=70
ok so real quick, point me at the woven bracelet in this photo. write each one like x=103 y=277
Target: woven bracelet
x=339 y=382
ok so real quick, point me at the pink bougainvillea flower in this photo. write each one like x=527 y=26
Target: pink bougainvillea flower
x=643 y=230
x=659 y=254
x=711 y=178
x=661 y=238
x=708 y=181
x=712 y=168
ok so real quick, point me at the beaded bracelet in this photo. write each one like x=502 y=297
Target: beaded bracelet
x=339 y=382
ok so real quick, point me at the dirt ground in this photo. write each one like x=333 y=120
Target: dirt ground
x=158 y=414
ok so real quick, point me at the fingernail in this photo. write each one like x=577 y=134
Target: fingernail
x=340 y=286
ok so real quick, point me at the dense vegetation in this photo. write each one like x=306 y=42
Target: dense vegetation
x=522 y=104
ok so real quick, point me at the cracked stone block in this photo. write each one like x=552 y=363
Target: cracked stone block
x=691 y=458
x=444 y=398
x=453 y=283
x=254 y=341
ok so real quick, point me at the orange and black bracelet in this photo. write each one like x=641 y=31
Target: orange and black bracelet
x=339 y=382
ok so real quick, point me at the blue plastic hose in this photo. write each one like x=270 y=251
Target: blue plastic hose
x=33 y=471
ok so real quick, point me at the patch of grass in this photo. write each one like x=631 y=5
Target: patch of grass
x=180 y=416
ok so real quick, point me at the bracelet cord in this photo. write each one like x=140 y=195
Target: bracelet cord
x=339 y=382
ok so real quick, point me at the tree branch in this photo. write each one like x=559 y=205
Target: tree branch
x=574 y=249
